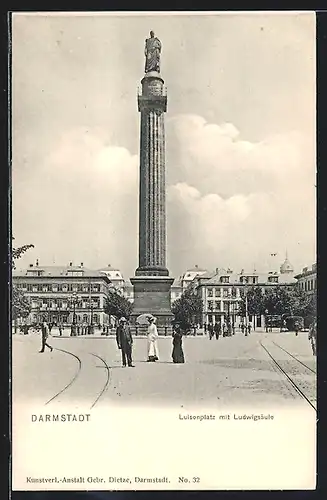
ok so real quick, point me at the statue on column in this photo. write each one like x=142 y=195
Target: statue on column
x=152 y=53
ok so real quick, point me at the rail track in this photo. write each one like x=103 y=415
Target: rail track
x=77 y=374
x=296 y=359
x=296 y=386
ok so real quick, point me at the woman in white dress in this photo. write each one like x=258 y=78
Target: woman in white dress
x=153 y=352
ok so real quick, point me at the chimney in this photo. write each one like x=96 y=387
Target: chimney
x=196 y=266
x=31 y=265
x=70 y=264
x=37 y=262
x=217 y=270
x=82 y=264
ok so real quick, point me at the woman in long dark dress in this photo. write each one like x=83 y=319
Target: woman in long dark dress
x=177 y=354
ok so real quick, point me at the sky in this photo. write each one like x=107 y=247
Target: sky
x=240 y=138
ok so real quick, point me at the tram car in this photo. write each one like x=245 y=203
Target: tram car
x=292 y=321
x=273 y=321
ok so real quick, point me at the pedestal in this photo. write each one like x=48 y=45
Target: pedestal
x=152 y=295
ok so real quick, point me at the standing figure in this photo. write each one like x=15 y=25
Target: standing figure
x=249 y=328
x=152 y=53
x=313 y=337
x=153 y=351
x=210 y=331
x=217 y=330
x=125 y=342
x=45 y=335
x=60 y=329
x=178 y=354
x=296 y=328
x=225 y=330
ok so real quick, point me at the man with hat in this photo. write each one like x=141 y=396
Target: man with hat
x=125 y=341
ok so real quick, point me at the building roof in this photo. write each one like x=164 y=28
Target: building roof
x=235 y=278
x=108 y=268
x=112 y=272
x=307 y=271
x=58 y=271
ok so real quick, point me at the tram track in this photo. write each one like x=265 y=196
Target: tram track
x=294 y=357
x=78 y=373
x=107 y=381
x=72 y=380
x=292 y=382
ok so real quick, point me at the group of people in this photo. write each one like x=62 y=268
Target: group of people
x=226 y=329
x=124 y=340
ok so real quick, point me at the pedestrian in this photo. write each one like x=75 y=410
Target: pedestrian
x=60 y=329
x=217 y=330
x=249 y=328
x=45 y=334
x=225 y=330
x=210 y=330
x=178 y=354
x=125 y=341
x=313 y=337
x=296 y=328
x=153 y=351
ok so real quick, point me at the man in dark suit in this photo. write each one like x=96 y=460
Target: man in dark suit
x=45 y=335
x=125 y=341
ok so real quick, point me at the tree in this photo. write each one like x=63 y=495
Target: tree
x=20 y=305
x=278 y=300
x=18 y=252
x=117 y=305
x=255 y=299
x=188 y=309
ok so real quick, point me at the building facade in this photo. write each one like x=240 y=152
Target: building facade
x=307 y=279
x=64 y=295
x=221 y=291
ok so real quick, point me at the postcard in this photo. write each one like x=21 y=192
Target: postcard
x=163 y=319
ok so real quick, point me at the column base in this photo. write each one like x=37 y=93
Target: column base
x=152 y=295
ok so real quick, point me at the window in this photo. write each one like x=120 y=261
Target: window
x=210 y=305
x=95 y=288
x=210 y=292
x=244 y=279
x=224 y=279
x=273 y=279
x=84 y=318
x=217 y=292
x=95 y=318
x=64 y=288
x=225 y=292
x=55 y=288
x=85 y=288
x=254 y=279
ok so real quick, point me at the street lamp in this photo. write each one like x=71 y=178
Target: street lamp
x=266 y=324
x=73 y=301
x=229 y=295
x=246 y=310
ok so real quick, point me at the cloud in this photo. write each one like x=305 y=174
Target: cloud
x=239 y=200
x=229 y=201
x=80 y=203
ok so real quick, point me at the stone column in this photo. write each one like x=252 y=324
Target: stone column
x=152 y=282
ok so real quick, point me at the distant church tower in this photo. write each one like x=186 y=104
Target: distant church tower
x=286 y=267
